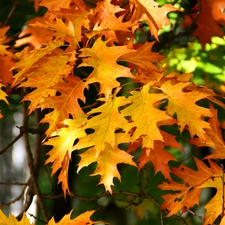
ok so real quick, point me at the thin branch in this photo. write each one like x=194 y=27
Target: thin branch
x=16 y=183
x=38 y=139
x=161 y=217
x=28 y=201
x=90 y=199
x=12 y=11
x=198 y=216
x=181 y=219
x=13 y=141
x=16 y=199
x=33 y=188
x=42 y=221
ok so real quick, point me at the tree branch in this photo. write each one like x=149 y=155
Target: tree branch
x=16 y=199
x=15 y=5
x=33 y=188
x=13 y=141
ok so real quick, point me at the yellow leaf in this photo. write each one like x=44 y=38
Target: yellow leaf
x=105 y=120
x=64 y=105
x=107 y=161
x=106 y=69
x=11 y=220
x=183 y=103
x=3 y=95
x=63 y=146
x=145 y=116
x=33 y=57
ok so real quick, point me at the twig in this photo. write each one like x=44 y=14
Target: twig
x=33 y=188
x=14 y=200
x=12 y=142
x=161 y=217
x=16 y=183
x=28 y=201
x=15 y=5
x=42 y=221
x=194 y=214
x=181 y=219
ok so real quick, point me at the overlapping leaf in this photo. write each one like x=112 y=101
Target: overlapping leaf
x=187 y=193
x=214 y=138
x=107 y=161
x=146 y=117
x=82 y=219
x=63 y=146
x=65 y=104
x=106 y=69
x=183 y=103
x=155 y=16
x=105 y=120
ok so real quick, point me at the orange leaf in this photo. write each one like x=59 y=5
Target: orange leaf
x=143 y=57
x=33 y=57
x=3 y=95
x=65 y=104
x=211 y=15
x=155 y=16
x=82 y=219
x=104 y=18
x=159 y=158
x=6 y=75
x=54 y=5
x=37 y=35
x=4 y=40
x=104 y=61
x=214 y=138
x=188 y=192
x=43 y=75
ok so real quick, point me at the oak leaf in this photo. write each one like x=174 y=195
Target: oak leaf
x=63 y=146
x=159 y=156
x=33 y=57
x=6 y=63
x=146 y=117
x=104 y=18
x=106 y=69
x=3 y=96
x=183 y=103
x=82 y=219
x=143 y=57
x=44 y=74
x=3 y=41
x=54 y=5
x=11 y=220
x=107 y=161
x=187 y=193
x=105 y=120
x=34 y=36
x=60 y=28
x=155 y=16
x=214 y=138
x=64 y=105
